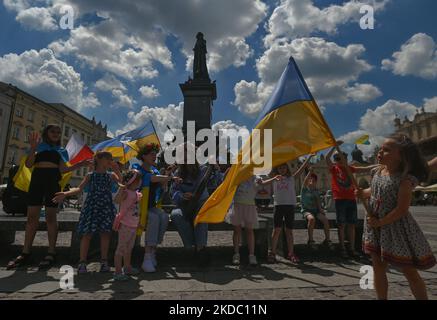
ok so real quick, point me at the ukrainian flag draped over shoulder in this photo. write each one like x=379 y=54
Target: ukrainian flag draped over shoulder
x=24 y=174
x=127 y=145
x=298 y=128
x=145 y=190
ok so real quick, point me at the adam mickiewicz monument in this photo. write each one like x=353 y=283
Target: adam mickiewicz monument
x=199 y=92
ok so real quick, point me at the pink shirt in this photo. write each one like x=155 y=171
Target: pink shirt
x=129 y=209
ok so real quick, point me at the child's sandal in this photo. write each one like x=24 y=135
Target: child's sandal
x=343 y=254
x=48 y=261
x=82 y=268
x=293 y=258
x=271 y=257
x=19 y=261
x=104 y=266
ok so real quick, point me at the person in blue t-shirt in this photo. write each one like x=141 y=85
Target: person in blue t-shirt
x=152 y=219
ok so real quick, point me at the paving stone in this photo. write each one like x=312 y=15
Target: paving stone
x=325 y=289
x=320 y=277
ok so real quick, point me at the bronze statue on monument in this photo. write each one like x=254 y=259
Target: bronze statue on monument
x=200 y=70
x=199 y=92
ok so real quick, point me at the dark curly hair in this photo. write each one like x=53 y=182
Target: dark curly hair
x=412 y=160
x=187 y=171
x=146 y=149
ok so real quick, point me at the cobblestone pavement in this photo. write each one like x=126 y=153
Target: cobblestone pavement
x=320 y=275
x=398 y=291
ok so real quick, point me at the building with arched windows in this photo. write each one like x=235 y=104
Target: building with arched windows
x=423 y=131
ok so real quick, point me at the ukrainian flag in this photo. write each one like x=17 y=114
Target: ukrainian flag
x=142 y=136
x=114 y=146
x=298 y=128
x=23 y=176
x=363 y=140
x=127 y=145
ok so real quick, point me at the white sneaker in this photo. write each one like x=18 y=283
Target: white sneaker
x=252 y=260
x=148 y=265
x=153 y=258
x=236 y=259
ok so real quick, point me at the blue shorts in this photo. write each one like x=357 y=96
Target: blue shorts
x=346 y=211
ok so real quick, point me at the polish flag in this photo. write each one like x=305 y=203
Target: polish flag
x=78 y=150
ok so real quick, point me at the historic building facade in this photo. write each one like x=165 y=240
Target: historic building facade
x=423 y=131
x=27 y=113
x=6 y=104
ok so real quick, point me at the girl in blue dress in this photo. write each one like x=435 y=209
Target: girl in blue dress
x=98 y=213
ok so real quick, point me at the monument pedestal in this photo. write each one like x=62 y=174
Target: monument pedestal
x=199 y=93
x=198 y=100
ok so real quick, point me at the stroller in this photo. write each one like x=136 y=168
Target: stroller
x=14 y=200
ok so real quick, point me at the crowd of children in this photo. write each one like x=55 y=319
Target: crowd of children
x=391 y=235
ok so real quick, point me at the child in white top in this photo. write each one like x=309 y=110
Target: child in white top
x=284 y=200
x=244 y=215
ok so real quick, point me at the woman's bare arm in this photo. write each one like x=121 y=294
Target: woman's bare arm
x=34 y=140
x=433 y=164
x=303 y=166
x=267 y=181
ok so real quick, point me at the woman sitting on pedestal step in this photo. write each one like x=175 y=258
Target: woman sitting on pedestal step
x=189 y=196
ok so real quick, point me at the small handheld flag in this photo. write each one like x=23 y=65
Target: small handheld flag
x=363 y=140
x=78 y=150
x=126 y=145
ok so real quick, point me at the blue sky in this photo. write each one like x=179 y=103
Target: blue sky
x=117 y=47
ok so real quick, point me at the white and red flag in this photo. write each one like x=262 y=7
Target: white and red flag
x=78 y=150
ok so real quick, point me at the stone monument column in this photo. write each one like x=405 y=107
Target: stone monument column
x=199 y=92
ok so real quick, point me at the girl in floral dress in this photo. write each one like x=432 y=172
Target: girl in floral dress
x=391 y=235
x=98 y=212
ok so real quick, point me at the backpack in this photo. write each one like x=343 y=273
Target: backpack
x=14 y=200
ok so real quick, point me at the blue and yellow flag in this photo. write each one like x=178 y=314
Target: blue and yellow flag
x=363 y=140
x=24 y=174
x=114 y=146
x=298 y=128
x=127 y=145
x=145 y=190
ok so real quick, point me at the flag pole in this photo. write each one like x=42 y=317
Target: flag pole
x=342 y=158
x=154 y=129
